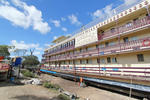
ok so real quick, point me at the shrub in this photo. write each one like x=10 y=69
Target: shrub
x=29 y=74
x=51 y=86
x=63 y=97
x=47 y=84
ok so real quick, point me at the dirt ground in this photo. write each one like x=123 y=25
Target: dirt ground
x=37 y=92
x=25 y=92
x=87 y=92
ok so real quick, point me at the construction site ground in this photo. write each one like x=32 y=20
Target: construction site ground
x=37 y=92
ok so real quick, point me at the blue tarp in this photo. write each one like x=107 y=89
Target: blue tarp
x=17 y=61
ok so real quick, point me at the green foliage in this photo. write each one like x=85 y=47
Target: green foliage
x=4 y=51
x=20 y=52
x=51 y=86
x=27 y=73
x=30 y=60
x=63 y=97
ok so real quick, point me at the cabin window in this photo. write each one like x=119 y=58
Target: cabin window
x=102 y=60
x=134 y=38
x=107 y=44
x=101 y=45
x=125 y=39
x=112 y=30
x=83 y=61
x=70 y=62
x=87 y=61
x=98 y=60
x=114 y=60
x=140 y=57
x=108 y=60
x=87 y=48
x=80 y=49
x=128 y=24
x=96 y=46
x=80 y=61
x=112 y=43
x=135 y=21
x=90 y=61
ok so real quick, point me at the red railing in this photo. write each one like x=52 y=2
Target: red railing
x=140 y=23
x=117 y=71
x=59 y=51
x=123 y=47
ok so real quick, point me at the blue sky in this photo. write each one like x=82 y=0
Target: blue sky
x=34 y=24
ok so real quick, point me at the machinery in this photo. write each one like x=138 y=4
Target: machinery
x=4 y=68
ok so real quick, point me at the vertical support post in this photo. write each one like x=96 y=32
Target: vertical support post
x=74 y=65
x=98 y=57
x=117 y=30
x=147 y=10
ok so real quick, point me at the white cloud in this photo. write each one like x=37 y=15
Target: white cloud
x=55 y=37
x=36 y=53
x=23 y=45
x=100 y=12
x=25 y=17
x=64 y=29
x=63 y=19
x=129 y=2
x=56 y=23
x=74 y=19
x=47 y=45
x=4 y=2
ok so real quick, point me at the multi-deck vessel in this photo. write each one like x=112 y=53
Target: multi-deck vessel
x=115 y=47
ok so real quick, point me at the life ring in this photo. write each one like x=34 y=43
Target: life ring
x=146 y=42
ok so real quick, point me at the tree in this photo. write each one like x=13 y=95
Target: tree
x=4 y=51
x=20 y=52
x=30 y=60
x=31 y=51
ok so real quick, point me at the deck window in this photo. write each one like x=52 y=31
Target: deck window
x=128 y=24
x=112 y=30
x=112 y=43
x=98 y=60
x=101 y=45
x=108 y=60
x=140 y=57
x=96 y=46
x=80 y=61
x=114 y=60
x=135 y=21
x=83 y=61
x=102 y=60
x=107 y=44
x=90 y=61
x=125 y=39
x=134 y=38
x=87 y=61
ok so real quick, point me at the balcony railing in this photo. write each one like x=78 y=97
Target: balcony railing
x=58 y=51
x=138 y=24
x=111 y=71
x=140 y=44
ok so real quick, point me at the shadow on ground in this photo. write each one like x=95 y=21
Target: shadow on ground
x=32 y=97
x=7 y=82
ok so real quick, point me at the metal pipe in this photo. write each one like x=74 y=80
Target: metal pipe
x=98 y=57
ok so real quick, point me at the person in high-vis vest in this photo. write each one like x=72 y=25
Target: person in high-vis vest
x=81 y=81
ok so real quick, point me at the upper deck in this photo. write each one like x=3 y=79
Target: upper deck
x=91 y=33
